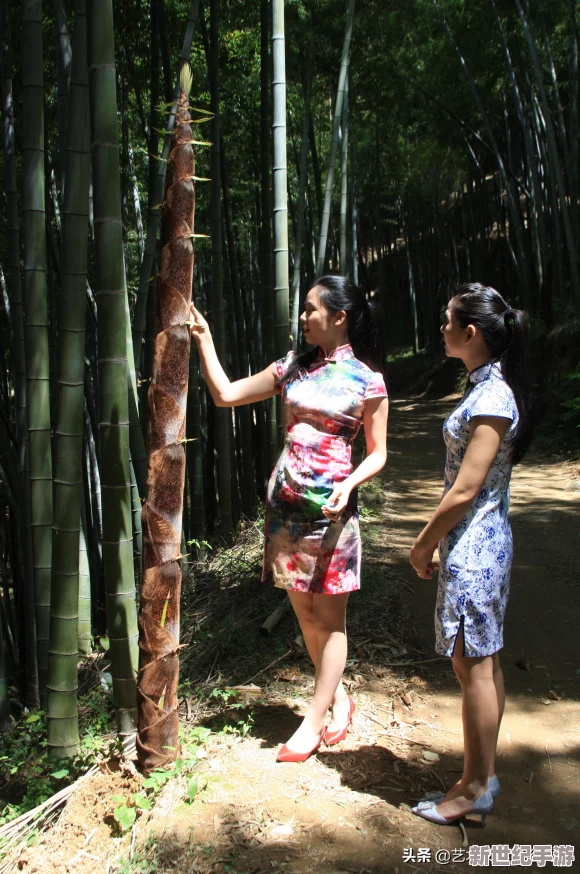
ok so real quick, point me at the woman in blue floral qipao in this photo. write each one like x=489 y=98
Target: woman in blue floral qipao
x=487 y=433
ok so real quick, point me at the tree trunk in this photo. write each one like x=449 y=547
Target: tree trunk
x=113 y=367
x=321 y=256
x=14 y=286
x=36 y=323
x=244 y=412
x=63 y=737
x=412 y=290
x=63 y=71
x=280 y=185
x=222 y=415
x=267 y=270
x=301 y=207
x=344 y=182
x=158 y=741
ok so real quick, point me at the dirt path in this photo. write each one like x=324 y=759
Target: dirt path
x=347 y=809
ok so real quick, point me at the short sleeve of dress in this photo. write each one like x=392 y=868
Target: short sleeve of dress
x=376 y=387
x=282 y=365
x=495 y=400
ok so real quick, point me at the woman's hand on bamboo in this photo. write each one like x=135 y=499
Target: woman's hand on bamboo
x=337 y=502
x=421 y=558
x=198 y=325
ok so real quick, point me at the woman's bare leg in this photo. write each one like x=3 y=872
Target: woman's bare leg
x=481 y=714
x=500 y=695
x=303 y=606
x=328 y=620
x=330 y=624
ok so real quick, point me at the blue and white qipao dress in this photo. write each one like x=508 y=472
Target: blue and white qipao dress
x=476 y=555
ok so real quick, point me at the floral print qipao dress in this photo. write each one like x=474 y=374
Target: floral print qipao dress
x=476 y=555
x=323 y=411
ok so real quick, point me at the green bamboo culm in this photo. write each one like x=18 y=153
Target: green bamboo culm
x=322 y=243
x=222 y=415
x=266 y=255
x=282 y=336
x=14 y=287
x=36 y=324
x=112 y=333
x=301 y=208
x=62 y=716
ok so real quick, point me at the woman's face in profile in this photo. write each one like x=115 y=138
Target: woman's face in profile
x=453 y=335
x=315 y=320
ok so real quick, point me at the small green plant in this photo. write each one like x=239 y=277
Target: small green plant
x=194 y=786
x=203 y=544
x=125 y=813
x=224 y=695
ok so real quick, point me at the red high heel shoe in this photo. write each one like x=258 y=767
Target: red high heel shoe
x=335 y=737
x=285 y=754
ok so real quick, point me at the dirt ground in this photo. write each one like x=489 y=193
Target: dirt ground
x=347 y=809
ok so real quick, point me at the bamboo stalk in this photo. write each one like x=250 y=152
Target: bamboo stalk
x=62 y=723
x=301 y=206
x=14 y=288
x=36 y=324
x=222 y=415
x=113 y=367
x=280 y=184
x=323 y=240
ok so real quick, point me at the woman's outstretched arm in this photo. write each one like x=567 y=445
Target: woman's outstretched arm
x=485 y=437
x=225 y=393
x=375 y=415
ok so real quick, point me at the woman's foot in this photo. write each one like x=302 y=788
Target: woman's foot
x=438 y=796
x=334 y=737
x=341 y=712
x=458 y=802
x=302 y=744
x=448 y=812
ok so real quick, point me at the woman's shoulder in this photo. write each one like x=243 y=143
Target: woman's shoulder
x=492 y=396
x=371 y=381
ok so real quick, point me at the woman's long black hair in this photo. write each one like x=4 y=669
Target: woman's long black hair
x=505 y=333
x=365 y=333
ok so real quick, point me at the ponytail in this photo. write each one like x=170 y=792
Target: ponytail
x=504 y=331
x=365 y=333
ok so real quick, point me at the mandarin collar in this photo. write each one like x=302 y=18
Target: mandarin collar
x=483 y=372
x=341 y=353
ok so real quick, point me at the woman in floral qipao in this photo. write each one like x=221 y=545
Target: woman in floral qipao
x=485 y=436
x=312 y=544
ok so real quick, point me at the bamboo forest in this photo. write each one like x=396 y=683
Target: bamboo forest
x=226 y=154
